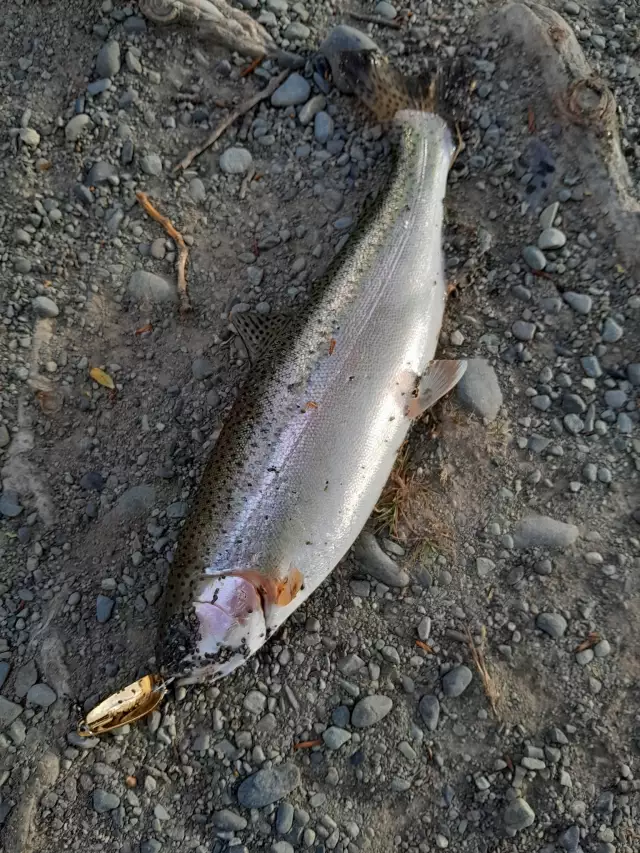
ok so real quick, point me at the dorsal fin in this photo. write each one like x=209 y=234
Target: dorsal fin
x=259 y=331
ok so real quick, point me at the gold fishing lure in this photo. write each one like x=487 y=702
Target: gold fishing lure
x=133 y=702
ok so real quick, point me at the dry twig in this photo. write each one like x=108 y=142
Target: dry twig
x=375 y=19
x=489 y=685
x=183 y=251
x=252 y=67
x=307 y=744
x=244 y=107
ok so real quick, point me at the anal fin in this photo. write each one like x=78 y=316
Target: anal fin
x=259 y=331
x=438 y=379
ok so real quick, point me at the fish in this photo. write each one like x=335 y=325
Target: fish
x=311 y=439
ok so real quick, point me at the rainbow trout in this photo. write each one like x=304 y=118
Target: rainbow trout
x=312 y=438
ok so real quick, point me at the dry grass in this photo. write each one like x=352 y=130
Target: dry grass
x=498 y=437
x=488 y=683
x=413 y=510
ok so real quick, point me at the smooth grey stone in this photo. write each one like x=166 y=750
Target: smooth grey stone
x=197 y=190
x=580 y=302
x=295 y=90
x=76 y=126
x=10 y=505
x=456 y=681
x=311 y=109
x=108 y=59
x=591 y=366
x=138 y=500
x=104 y=608
x=284 y=818
x=151 y=164
x=479 y=390
x=573 y=424
x=615 y=398
x=534 y=258
x=201 y=368
x=540 y=531
x=145 y=285
x=429 y=708
x=83 y=194
x=523 y=331
x=97 y=87
x=518 y=815
x=370 y=710
x=323 y=127
x=551 y=238
x=385 y=10
x=335 y=737
x=100 y=173
x=297 y=31
x=104 y=801
x=268 y=786
x=548 y=215
x=611 y=331
x=231 y=821
x=552 y=624
x=235 y=161
x=9 y=711
x=378 y=564
x=42 y=695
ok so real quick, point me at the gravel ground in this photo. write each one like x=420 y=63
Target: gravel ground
x=471 y=683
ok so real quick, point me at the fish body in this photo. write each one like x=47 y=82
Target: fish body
x=312 y=438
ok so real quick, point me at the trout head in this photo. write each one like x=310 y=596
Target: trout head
x=219 y=631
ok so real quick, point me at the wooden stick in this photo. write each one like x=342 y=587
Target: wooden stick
x=183 y=251
x=252 y=67
x=375 y=19
x=307 y=744
x=224 y=125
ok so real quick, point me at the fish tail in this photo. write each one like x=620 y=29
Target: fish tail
x=386 y=91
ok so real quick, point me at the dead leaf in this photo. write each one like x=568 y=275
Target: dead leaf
x=102 y=378
x=593 y=638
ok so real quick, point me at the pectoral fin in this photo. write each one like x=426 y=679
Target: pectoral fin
x=274 y=592
x=439 y=378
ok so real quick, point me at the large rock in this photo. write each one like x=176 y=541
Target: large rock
x=268 y=786
x=378 y=564
x=76 y=126
x=552 y=624
x=235 y=161
x=429 y=709
x=108 y=60
x=456 y=681
x=294 y=90
x=147 y=286
x=540 y=531
x=9 y=712
x=479 y=391
x=370 y=711
x=45 y=307
x=518 y=816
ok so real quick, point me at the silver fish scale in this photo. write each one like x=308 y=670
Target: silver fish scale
x=311 y=440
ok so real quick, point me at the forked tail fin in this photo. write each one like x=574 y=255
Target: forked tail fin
x=385 y=90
